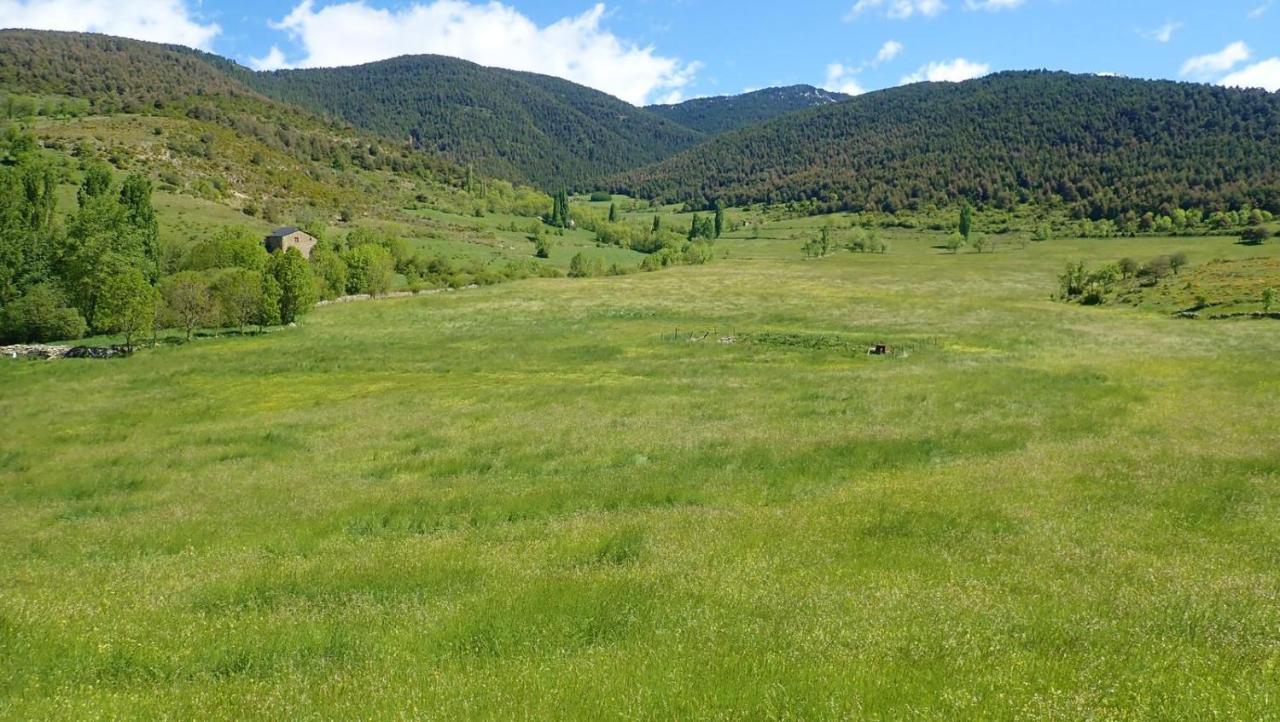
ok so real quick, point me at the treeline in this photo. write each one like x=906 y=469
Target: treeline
x=1095 y=147
x=519 y=126
x=20 y=107
x=104 y=270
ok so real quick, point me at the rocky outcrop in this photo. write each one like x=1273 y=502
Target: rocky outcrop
x=33 y=351
x=44 y=351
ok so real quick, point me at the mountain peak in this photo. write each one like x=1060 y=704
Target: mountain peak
x=724 y=113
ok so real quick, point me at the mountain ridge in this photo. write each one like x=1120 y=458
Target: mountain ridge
x=1102 y=146
x=724 y=113
x=512 y=124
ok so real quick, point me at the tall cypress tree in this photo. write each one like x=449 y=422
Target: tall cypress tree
x=719 y=220
x=560 y=209
x=966 y=220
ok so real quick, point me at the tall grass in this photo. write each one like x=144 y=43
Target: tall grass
x=531 y=501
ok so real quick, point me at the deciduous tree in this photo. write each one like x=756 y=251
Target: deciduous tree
x=188 y=301
x=127 y=305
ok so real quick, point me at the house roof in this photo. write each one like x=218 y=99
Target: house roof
x=281 y=232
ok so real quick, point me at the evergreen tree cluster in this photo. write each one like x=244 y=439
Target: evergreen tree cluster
x=559 y=210
x=1098 y=147
x=519 y=126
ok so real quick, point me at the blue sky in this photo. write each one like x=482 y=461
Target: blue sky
x=662 y=50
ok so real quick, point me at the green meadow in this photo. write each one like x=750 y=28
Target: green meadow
x=680 y=495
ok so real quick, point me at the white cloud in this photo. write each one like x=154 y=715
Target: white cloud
x=161 y=21
x=1203 y=66
x=1162 y=34
x=1261 y=10
x=575 y=48
x=1265 y=74
x=840 y=79
x=274 y=60
x=843 y=78
x=992 y=5
x=896 y=9
x=889 y=51
x=950 y=71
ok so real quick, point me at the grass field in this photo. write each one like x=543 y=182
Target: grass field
x=677 y=495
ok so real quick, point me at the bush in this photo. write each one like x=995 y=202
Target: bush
x=600 y=197
x=1158 y=268
x=42 y=314
x=542 y=247
x=1128 y=267
x=582 y=267
x=1255 y=236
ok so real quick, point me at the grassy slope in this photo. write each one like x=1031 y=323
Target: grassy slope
x=436 y=226
x=529 y=501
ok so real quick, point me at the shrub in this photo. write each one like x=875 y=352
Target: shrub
x=1071 y=282
x=582 y=267
x=697 y=254
x=600 y=197
x=42 y=314
x=1255 y=236
x=1158 y=268
x=542 y=247
x=1128 y=267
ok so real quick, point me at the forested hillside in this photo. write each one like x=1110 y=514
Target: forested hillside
x=725 y=113
x=112 y=74
x=519 y=126
x=1102 y=147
